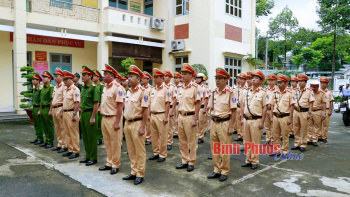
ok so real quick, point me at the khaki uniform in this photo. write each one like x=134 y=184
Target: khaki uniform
x=268 y=126
x=224 y=101
x=256 y=101
x=71 y=96
x=159 y=97
x=325 y=123
x=57 y=103
x=239 y=92
x=303 y=99
x=282 y=102
x=315 y=122
x=187 y=97
x=203 y=115
x=291 y=131
x=148 y=89
x=136 y=99
x=172 y=125
x=112 y=94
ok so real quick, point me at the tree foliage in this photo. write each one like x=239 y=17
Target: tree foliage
x=255 y=62
x=310 y=57
x=263 y=7
x=200 y=68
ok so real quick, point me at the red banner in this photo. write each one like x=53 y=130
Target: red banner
x=46 y=40
x=40 y=56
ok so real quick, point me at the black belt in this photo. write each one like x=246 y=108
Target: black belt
x=158 y=112
x=238 y=105
x=177 y=103
x=317 y=110
x=218 y=119
x=252 y=117
x=107 y=116
x=45 y=106
x=188 y=113
x=327 y=108
x=202 y=106
x=134 y=120
x=35 y=106
x=301 y=109
x=67 y=110
x=86 y=110
x=268 y=108
x=281 y=115
x=57 y=106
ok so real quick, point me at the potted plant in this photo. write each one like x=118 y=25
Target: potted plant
x=28 y=94
x=277 y=65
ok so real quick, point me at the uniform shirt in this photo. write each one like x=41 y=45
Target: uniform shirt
x=173 y=92
x=346 y=91
x=269 y=92
x=282 y=101
x=112 y=94
x=238 y=93
x=57 y=96
x=187 y=97
x=78 y=85
x=135 y=100
x=319 y=99
x=255 y=100
x=100 y=87
x=159 y=97
x=329 y=98
x=177 y=88
x=224 y=101
x=46 y=94
x=205 y=90
x=89 y=95
x=303 y=97
x=148 y=89
x=36 y=96
x=70 y=96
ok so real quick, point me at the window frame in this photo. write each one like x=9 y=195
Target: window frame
x=239 y=8
x=117 y=4
x=182 y=61
x=185 y=7
x=148 y=3
x=233 y=79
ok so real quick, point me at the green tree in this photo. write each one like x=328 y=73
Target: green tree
x=263 y=7
x=334 y=18
x=311 y=58
x=200 y=68
x=255 y=62
x=126 y=63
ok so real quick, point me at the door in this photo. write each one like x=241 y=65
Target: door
x=62 y=61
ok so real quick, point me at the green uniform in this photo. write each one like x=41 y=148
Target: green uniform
x=39 y=132
x=99 y=115
x=89 y=95
x=46 y=120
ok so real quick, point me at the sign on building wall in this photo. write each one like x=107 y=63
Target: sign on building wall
x=46 y=40
x=40 y=67
x=135 y=7
x=40 y=56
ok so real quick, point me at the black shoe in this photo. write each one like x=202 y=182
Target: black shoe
x=138 y=180
x=264 y=133
x=210 y=157
x=147 y=143
x=302 y=149
x=74 y=155
x=48 y=146
x=242 y=148
x=114 y=171
x=175 y=136
x=33 y=141
x=91 y=162
x=67 y=154
x=238 y=139
x=154 y=157
x=99 y=143
x=161 y=159
x=56 y=149
x=129 y=177
x=295 y=148
x=182 y=166
x=43 y=145
x=200 y=141
x=190 y=168
x=223 y=178
x=273 y=154
x=320 y=139
x=169 y=147
x=309 y=143
x=213 y=176
x=246 y=165
x=105 y=168
x=291 y=136
x=314 y=144
x=254 y=166
x=235 y=132
x=38 y=142
x=62 y=150
x=324 y=140
x=84 y=161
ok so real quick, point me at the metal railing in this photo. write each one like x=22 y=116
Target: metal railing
x=6 y=3
x=64 y=9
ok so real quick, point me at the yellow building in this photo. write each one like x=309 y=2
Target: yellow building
x=157 y=33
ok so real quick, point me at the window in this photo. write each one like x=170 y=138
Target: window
x=179 y=61
x=233 y=66
x=149 y=7
x=65 y=4
x=182 y=7
x=234 y=8
x=122 y=4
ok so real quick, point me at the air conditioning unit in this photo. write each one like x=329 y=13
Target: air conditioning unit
x=157 y=23
x=177 y=45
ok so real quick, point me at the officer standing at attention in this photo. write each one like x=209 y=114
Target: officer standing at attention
x=223 y=107
x=39 y=132
x=173 y=90
x=136 y=115
x=239 y=91
x=203 y=112
x=294 y=86
x=145 y=81
x=329 y=107
x=96 y=79
x=270 y=89
x=173 y=127
x=76 y=81
x=90 y=97
x=189 y=97
x=45 y=103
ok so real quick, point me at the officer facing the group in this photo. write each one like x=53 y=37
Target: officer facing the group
x=223 y=107
x=39 y=132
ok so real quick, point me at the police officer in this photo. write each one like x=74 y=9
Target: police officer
x=223 y=107
x=136 y=115
x=270 y=89
x=254 y=104
x=39 y=132
x=294 y=86
x=302 y=112
x=173 y=90
x=329 y=107
x=203 y=112
x=239 y=91
x=45 y=103
x=96 y=79
x=76 y=81
x=178 y=84
x=90 y=97
x=70 y=115
x=145 y=81
x=189 y=97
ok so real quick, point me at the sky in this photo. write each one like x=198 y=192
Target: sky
x=303 y=10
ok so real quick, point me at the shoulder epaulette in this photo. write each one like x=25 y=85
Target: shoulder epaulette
x=230 y=90
x=117 y=84
x=195 y=85
x=51 y=85
x=142 y=88
x=93 y=84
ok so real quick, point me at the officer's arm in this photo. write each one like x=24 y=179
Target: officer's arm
x=76 y=107
x=233 y=117
x=198 y=107
x=311 y=106
x=96 y=104
x=119 y=112
x=144 y=117
x=242 y=110
x=167 y=106
x=206 y=100
x=264 y=113
x=291 y=110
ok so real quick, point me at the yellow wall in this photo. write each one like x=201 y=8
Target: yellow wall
x=6 y=69
x=90 y=3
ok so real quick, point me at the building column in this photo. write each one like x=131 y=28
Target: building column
x=102 y=46
x=19 y=50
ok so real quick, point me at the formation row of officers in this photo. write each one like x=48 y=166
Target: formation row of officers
x=157 y=114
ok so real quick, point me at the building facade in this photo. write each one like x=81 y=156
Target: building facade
x=47 y=34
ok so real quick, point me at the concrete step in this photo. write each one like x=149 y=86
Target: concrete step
x=12 y=117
